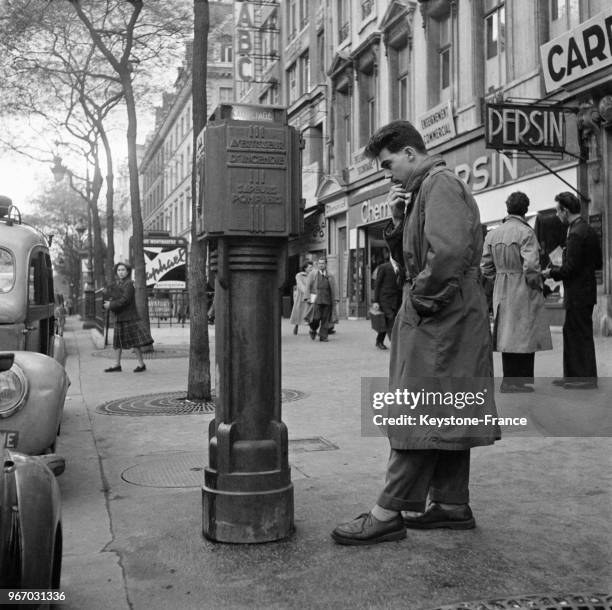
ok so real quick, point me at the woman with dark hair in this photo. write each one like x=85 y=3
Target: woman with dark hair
x=130 y=331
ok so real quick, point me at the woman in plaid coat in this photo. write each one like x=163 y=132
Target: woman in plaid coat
x=130 y=330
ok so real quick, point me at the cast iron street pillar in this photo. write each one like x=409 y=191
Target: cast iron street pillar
x=251 y=204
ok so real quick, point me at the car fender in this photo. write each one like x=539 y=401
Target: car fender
x=38 y=421
x=39 y=511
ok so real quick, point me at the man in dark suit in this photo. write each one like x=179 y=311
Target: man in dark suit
x=388 y=297
x=581 y=257
x=321 y=287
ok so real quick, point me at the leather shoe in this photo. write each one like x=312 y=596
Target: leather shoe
x=514 y=388
x=366 y=529
x=323 y=339
x=580 y=385
x=559 y=382
x=381 y=346
x=140 y=369
x=113 y=369
x=313 y=334
x=435 y=516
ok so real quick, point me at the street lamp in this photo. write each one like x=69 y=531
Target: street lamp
x=59 y=171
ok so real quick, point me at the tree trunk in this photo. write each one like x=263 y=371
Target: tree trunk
x=98 y=249
x=198 y=382
x=137 y=228
x=110 y=195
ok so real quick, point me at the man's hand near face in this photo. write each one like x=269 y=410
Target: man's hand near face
x=396 y=200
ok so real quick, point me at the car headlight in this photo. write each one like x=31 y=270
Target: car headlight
x=13 y=390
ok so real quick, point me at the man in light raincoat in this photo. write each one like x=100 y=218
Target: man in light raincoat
x=511 y=259
x=441 y=344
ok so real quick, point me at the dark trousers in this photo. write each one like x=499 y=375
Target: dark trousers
x=578 y=345
x=321 y=315
x=413 y=475
x=518 y=368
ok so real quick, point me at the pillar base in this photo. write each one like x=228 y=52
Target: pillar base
x=247 y=517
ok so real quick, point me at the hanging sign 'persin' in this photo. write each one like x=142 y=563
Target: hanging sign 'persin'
x=524 y=127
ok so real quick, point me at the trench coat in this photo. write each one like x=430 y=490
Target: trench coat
x=311 y=288
x=511 y=259
x=441 y=337
x=301 y=306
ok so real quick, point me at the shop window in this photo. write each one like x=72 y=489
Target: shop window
x=495 y=45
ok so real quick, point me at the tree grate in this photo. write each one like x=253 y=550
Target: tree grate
x=171 y=403
x=574 y=601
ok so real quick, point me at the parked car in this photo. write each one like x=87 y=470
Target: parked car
x=33 y=386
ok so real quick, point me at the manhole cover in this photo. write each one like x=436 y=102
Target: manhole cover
x=171 y=403
x=185 y=469
x=574 y=601
x=166 y=351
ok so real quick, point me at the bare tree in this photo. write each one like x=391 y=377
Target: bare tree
x=113 y=30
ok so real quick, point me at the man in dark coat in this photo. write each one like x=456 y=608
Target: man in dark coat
x=581 y=258
x=321 y=286
x=387 y=297
x=441 y=345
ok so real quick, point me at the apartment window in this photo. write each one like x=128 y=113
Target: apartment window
x=445 y=56
x=343 y=20
x=303 y=13
x=292 y=89
x=292 y=19
x=495 y=45
x=366 y=9
x=304 y=73
x=226 y=94
x=321 y=56
x=367 y=106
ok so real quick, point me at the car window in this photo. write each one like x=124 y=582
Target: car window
x=7 y=270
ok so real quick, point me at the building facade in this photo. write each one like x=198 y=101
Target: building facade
x=343 y=68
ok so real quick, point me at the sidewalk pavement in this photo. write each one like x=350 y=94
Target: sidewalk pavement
x=132 y=512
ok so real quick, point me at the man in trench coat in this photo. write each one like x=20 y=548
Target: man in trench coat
x=441 y=343
x=511 y=260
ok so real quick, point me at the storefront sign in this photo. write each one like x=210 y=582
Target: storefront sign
x=373 y=210
x=437 y=125
x=160 y=263
x=524 y=127
x=336 y=207
x=361 y=166
x=581 y=51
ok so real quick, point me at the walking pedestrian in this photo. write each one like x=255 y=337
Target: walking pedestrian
x=60 y=315
x=130 y=331
x=321 y=286
x=581 y=258
x=300 y=297
x=441 y=339
x=387 y=298
x=511 y=261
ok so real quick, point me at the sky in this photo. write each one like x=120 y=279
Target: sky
x=21 y=179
